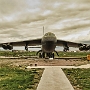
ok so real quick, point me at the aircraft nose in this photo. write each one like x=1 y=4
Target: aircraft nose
x=49 y=39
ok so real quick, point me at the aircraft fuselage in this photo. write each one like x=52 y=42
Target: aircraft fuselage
x=48 y=42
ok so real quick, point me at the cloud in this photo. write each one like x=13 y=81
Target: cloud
x=65 y=18
x=8 y=7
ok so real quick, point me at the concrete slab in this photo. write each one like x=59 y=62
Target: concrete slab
x=82 y=66
x=53 y=78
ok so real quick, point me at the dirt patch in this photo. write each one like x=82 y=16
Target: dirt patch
x=43 y=62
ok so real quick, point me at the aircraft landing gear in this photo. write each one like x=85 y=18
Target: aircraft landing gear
x=26 y=48
x=42 y=55
x=50 y=55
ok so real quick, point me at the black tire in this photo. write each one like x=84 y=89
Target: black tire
x=52 y=55
x=40 y=55
x=43 y=55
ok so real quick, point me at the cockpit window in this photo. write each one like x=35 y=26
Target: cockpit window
x=49 y=34
x=46 y=34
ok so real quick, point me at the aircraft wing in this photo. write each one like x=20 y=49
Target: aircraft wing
x=9 y=45
x=67 y=43
x=28 y=42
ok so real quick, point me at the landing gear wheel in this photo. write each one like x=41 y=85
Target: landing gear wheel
x=49 y=55
x=43 y=55
x=40 y=55
x=52 y=55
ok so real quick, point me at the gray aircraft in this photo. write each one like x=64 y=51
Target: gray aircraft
x=48 y=43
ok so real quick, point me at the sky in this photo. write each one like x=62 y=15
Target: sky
x=24 y=19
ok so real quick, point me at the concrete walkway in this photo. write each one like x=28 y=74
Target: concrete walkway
x=53 y=78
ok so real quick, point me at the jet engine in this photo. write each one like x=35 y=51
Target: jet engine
x=84 y=47
x=7 y=46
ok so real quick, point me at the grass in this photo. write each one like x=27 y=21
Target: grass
x=13 y=78
x=79 y=78
x=73 y=54
x=33 y=53
x=18 y=53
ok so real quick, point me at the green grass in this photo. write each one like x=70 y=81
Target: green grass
x=15 y=54
x=79 y=78
x=33 y=53
x=13 y=78
x=73 y=54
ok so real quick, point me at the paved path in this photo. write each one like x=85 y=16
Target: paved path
x=53 y=78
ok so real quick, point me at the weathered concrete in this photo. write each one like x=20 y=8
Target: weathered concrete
x=53 y=78
x=82 y=66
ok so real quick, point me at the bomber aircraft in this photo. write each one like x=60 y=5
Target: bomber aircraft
x=48 y=44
